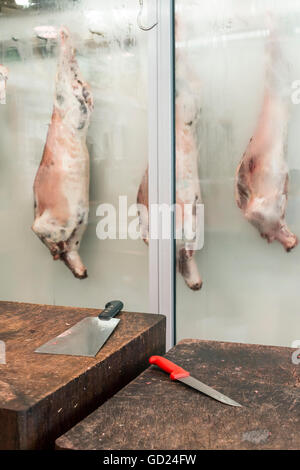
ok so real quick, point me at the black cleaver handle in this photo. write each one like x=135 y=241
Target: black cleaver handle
x=111 y=309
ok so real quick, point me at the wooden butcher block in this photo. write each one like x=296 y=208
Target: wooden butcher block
x=152 y=412
x=41 y=395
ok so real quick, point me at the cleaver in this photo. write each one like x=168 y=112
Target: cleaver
x=88 y=336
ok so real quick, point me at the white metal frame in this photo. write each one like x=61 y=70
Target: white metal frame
x=161 y=156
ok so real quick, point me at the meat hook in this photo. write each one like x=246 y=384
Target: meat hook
x=139 y=19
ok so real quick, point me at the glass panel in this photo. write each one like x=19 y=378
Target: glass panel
x=237 y=78
x=112 y=57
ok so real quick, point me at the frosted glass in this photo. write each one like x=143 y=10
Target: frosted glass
x=250 y=288
x=115 y=65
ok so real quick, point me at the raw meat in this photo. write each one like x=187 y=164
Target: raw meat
x=261 y=184
x=61 y=186
x=142 y=200
x=187 y=178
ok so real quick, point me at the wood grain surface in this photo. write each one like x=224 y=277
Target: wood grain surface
x=152 y=412
x=42 y=396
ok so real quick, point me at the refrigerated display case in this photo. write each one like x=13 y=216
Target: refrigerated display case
x=179 y=88
x=241 y=63
x=112 y=55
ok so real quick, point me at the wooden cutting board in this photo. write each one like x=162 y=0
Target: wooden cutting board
x=154 y=413
x=42 y=396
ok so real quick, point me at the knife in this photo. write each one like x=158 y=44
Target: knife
x=86 y=337
x=178 y=373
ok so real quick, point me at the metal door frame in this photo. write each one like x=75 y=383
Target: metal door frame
x=162 y=157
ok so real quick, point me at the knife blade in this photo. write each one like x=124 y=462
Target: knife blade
x=87 y=336
x=178 y=373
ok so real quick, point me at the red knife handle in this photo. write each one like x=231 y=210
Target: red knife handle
x=175 y=371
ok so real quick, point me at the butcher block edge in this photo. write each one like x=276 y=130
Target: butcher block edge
x=42 y=396
x=155 y=413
